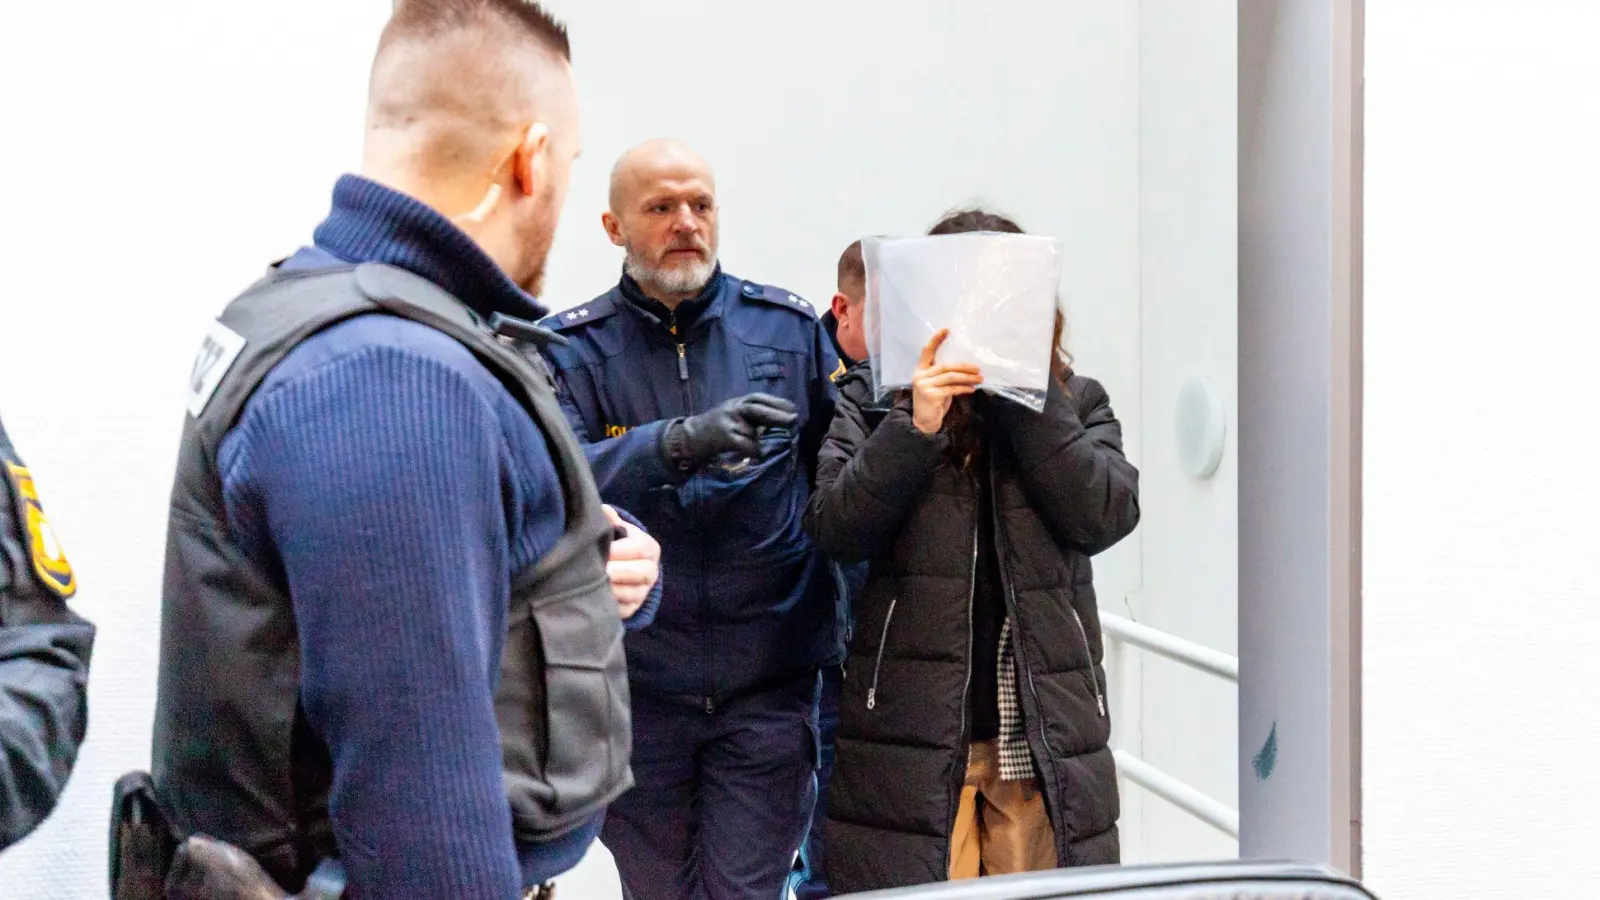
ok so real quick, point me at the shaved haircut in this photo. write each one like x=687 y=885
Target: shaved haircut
x=420 y=20
x=853 y=271
x=454 y=79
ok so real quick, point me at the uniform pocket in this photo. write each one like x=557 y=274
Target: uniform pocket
x=764 y=365
x=732 y=470
x=753 y=503
x=579 y=644
x=560 y=677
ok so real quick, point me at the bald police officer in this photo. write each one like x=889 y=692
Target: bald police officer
x=705 y=397
x=44 y=656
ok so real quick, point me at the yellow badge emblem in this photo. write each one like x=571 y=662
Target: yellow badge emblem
x=837 y=372
x=49 y=559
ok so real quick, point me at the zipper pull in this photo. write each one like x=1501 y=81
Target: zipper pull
x=1100 y=699
x=872 y=698
x=683 y=364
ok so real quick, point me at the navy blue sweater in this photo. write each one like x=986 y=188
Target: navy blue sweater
x=396 y=485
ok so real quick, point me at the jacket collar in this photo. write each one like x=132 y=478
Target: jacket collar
x=691 y=313
x=831 y=323
x=373 y=223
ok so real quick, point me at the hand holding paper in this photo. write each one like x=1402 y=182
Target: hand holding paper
x=995 y=294
x=934 y=386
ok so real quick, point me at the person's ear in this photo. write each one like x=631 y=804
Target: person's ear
x=613 y=227
x=841 y=307
x=531 y=160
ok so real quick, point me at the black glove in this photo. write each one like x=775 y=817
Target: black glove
x=733 y=427
x=208 y=869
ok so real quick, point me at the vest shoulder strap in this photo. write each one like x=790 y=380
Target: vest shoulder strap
x=266 y=322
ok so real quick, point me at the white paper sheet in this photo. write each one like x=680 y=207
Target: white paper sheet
x=997 y=293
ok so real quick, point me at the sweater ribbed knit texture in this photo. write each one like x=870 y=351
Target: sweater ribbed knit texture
x=395 y=486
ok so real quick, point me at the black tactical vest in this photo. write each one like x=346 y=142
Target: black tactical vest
x=233 y=756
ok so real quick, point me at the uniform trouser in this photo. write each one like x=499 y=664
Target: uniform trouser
x=720 y=800
x=808 y=883
x=1002 y=827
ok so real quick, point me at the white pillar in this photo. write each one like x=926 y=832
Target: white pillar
x=1299 y=429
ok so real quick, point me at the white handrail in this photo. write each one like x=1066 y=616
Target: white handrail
x=1171 y=646
x=1178 y=794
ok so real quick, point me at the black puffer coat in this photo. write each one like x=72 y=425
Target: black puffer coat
x=1063 y=492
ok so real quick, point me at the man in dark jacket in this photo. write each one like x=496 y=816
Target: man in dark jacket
x=379 y=503
x=992 y=522
x=44 y=656
x=845 y=318
x=846 y=326
x=706 y=397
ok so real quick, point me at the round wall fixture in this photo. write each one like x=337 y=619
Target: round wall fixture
x=1201 y=426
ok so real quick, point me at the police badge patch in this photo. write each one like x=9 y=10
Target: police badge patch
x=218 y=350
x=49 y=559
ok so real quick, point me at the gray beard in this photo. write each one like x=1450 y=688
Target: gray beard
x=683 y=280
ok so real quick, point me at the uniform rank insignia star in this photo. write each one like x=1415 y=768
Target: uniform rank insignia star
x=577 y=315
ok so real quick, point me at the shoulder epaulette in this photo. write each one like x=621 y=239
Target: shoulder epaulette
x=777 y=297
x=584 y=314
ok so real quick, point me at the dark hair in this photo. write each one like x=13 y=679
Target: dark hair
x=422 y=19
x=964 y=423
x=852 y=267
x=963 y=221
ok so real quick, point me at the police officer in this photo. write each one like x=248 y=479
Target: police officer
x=44 y=656
x=705 y=397
x=845 y=318
x=846 y=326
x=388 y=632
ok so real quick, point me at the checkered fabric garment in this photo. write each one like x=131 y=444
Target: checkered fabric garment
x=1016 y=760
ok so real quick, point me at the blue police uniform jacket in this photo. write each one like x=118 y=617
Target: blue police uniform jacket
x=749 y=600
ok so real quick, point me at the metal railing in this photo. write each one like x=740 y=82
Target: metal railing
x=1191 y=654
x=1213 y=812
x=1197 y=656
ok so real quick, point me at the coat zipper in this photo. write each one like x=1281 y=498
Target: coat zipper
x=1088 y=651
x=883 y=637
x=883 y=641
x=1039 y=761
x=710 y=703
x=972 y=595
x=683 y=358
x=966 y=685
x=1099 y=695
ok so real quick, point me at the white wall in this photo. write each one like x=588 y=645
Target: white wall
x=1188 y=222
x=1482 y=636
x=157 y=155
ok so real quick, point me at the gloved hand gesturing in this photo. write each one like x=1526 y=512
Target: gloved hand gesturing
x=733 y=427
